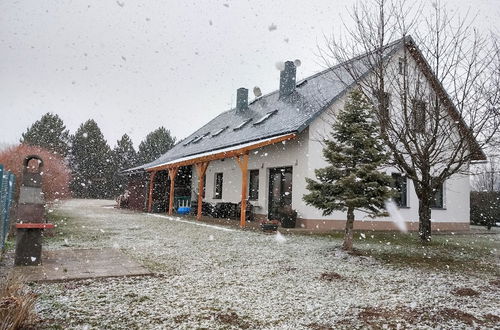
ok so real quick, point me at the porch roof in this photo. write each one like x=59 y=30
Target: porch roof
x=233 y=151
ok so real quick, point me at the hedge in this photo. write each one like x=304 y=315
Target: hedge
x=484 y=208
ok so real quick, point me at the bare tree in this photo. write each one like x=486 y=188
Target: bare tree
x=435 y=93
x=486 y=177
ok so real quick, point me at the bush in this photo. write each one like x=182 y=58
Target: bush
x=287 y=217
x=16 y=305
x=56 y=174
x=484 y=208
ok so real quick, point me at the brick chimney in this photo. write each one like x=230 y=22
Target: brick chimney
x=288 y=79
x=241 y=99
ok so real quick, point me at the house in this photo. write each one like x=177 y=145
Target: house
x=261 y=151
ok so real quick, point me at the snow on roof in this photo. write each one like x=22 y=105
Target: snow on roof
x=291 y=114
x=217 y=151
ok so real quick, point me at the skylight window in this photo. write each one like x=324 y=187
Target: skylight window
x=240 y=126
x=198 y=139
x=191 y=140
x=265 y=117
x=219 y=131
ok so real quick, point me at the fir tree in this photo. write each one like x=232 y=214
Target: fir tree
x=50 y=133
x=352 y=181
x=156 y=144
x=91 y=163
x=124 y=157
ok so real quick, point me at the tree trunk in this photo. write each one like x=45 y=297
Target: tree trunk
x=424 y=215
x=349 y=230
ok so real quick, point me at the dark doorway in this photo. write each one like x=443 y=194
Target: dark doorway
x=280 y=190
x=160 y=192
x=182 y=188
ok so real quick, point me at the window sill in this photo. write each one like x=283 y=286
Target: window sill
x=438 y=208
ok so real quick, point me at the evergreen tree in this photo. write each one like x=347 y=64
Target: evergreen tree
x=124 y=157
x=91 y=163
x=352 y=181
x=156 y=144
x=50 y=133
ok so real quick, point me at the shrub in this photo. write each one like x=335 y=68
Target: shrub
x=287 y=217
x=16 y=305
x=56 y=174
x=484 y=208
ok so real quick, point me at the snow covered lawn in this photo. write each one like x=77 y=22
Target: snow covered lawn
x=211 y=277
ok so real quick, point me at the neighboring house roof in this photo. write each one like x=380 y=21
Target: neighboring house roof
x=290 y=114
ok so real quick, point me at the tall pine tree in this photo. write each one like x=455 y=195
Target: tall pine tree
x=352 y=181
x=156 y=144
x=91 y=163
x=124 y=157
x=50 y=133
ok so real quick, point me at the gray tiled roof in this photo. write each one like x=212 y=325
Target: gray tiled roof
x=295 y=112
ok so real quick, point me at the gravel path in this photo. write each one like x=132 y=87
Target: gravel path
x=214 y=277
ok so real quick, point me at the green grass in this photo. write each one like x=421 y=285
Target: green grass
x=464 y=253
x=70 y=229
x=455 y=253
x=470 y=253
x=10 y=244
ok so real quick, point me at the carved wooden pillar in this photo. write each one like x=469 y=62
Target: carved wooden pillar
x=172 y=172
x=201 y=169
x=243 y=163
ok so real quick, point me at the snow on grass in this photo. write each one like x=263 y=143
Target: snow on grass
x=169 y=218
x=211 y=278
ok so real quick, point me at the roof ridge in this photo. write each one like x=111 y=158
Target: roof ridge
x=176 y=149
x=341 y=64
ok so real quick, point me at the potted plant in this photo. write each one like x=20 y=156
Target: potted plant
x=287 y=217
x=269 y=226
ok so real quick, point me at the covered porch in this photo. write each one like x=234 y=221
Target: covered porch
x=200 y=162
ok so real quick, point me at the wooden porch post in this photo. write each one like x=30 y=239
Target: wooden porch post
x=172 y=172
x=151 y=185
x=243 y=163
x=201 y=168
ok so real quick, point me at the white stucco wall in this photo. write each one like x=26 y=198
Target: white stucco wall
x=291 y=153
x=304 y=155
x=456 y=189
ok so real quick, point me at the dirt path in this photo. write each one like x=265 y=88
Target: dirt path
x=212 y=277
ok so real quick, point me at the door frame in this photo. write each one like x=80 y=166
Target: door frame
x=271 y=171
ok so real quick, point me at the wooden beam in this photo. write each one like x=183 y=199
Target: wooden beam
x=172 y=172
x=226 y=154
x=151 y=186
x=201 y=169
x=243 y=163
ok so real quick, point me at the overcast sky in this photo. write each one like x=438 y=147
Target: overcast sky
x=136 y=65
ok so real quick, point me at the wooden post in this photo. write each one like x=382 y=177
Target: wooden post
x=243 y=163
x=172 y=172
x=201 y=168
x=151 y=185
